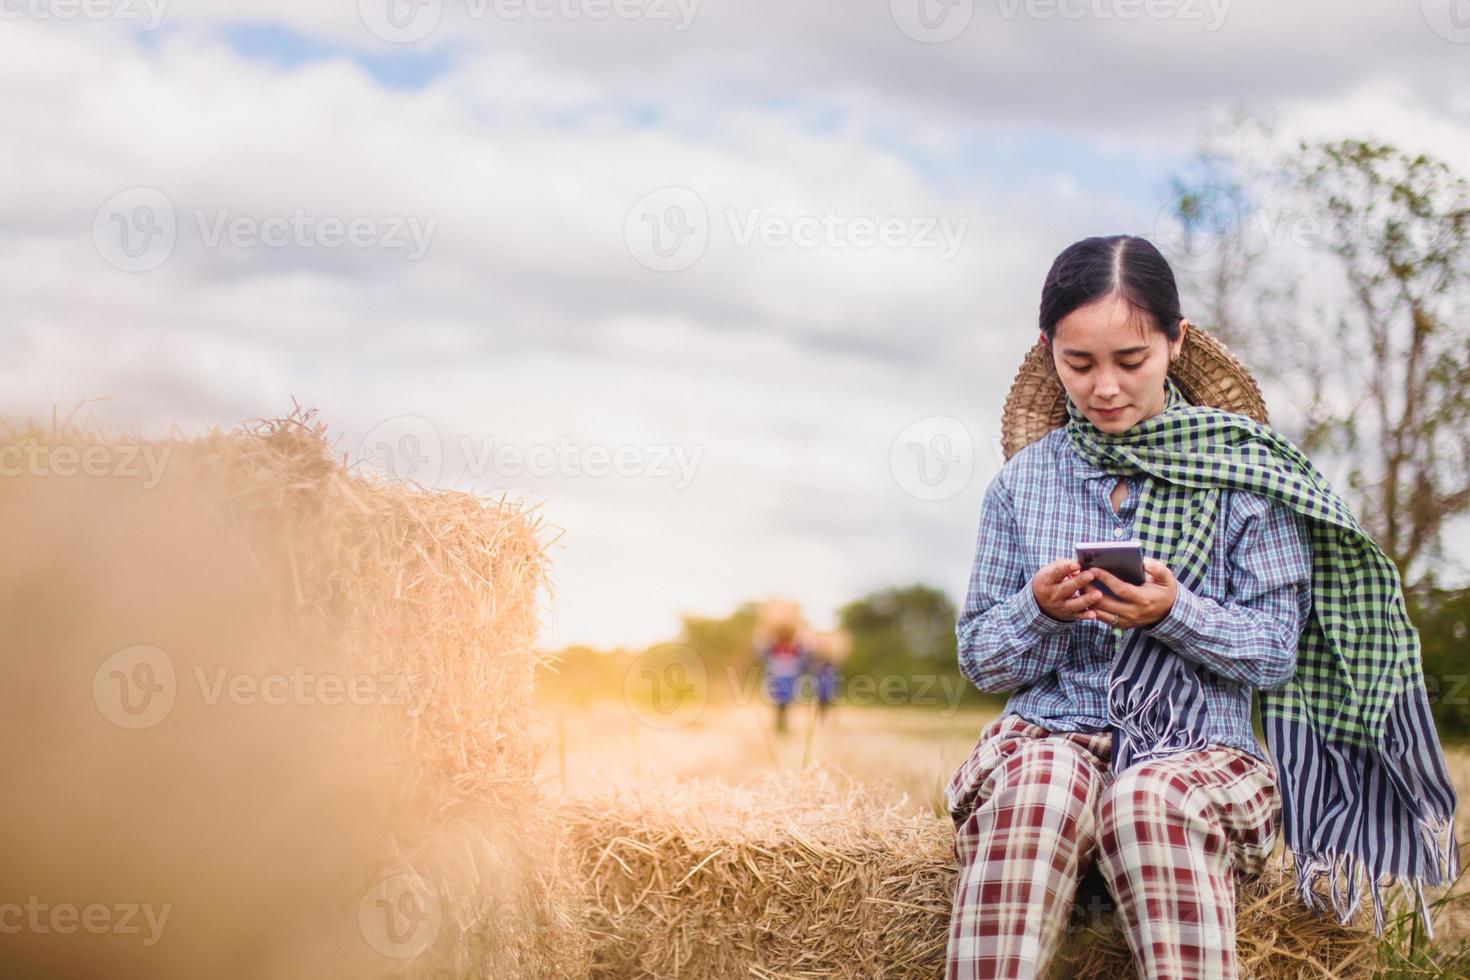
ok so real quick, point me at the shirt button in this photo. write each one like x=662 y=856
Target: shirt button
x=1120 y=533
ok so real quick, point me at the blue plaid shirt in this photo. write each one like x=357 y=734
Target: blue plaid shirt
x=1241 y=623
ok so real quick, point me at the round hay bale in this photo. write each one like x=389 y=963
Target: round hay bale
x=280 y=699
x=809 y=874
x=778 y=620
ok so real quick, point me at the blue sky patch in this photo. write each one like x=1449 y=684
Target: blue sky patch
x=288 y=49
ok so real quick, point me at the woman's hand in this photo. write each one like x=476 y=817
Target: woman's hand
x=1131 y=606
x=1058 y=588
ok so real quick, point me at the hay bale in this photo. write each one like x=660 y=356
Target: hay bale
x=808 y=875
x=796 y=876
x=347 y=666
x=777 y=620
x=834 y=646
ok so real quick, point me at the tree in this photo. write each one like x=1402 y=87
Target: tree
x=1442 y=617
x=1379 y=373
x=722 y=642
x=906 y=635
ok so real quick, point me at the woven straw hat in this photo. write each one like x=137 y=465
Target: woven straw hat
x=1205 y=371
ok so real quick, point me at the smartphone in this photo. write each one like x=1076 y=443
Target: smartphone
x=1123 y=558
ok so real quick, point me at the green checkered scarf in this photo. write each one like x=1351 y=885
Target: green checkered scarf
x=1362 y=775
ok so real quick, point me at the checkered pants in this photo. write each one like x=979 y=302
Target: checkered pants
x=1033 y=808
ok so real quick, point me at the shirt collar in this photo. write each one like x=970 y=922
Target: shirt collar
x=1078 y=468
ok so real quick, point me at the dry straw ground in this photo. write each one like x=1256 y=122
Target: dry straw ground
x=716 y=850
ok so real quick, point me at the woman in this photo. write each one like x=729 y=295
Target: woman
x=1127 y=743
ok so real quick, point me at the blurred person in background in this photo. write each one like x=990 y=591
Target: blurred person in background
x=829 y=650
x=785 y=660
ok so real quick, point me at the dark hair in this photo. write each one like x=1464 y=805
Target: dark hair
x=1095 y=268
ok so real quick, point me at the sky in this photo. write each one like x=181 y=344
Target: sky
x=729 y=293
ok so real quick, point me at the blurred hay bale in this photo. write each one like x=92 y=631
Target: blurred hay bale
x=433 y=588
x=834 y=646
x=344 y=670
x=777 y=620
x=808 y=875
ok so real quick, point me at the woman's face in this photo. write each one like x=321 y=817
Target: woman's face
x=1110 y=356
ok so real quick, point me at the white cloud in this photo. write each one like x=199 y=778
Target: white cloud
x=529 y=320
